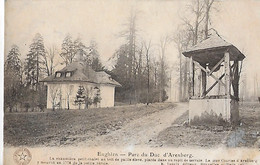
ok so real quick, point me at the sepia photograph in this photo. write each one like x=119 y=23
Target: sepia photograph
x=107 y=78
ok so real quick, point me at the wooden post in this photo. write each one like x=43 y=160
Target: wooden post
x=235 y=81
x=227 y=75
x=204 y=80
x=191 y=77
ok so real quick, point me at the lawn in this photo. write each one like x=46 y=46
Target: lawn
x=69 y=127
x=72 y=127
x=245 y=135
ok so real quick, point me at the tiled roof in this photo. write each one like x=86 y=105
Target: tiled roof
x=213 y=43
x=80 y=72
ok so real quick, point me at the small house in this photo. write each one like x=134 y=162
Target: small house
x=78 y=86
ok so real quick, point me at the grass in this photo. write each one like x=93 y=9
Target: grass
x=245 y=135
x=65 y=127
x=68 y=127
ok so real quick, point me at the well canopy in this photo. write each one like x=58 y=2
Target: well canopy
x=212 y=49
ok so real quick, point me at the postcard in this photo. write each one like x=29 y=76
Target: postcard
x=100 y=82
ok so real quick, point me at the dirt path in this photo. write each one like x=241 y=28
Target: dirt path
x=142 y=131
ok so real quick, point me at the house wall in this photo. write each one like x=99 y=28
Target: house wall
x=107 y=94
x=63 y=95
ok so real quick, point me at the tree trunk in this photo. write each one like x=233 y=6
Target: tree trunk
x=185 y=83
x=180 y=72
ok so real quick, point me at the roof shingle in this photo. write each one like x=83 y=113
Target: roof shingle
x=80 y=72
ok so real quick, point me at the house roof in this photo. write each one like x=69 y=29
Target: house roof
x=213 y=48
x=80 y=72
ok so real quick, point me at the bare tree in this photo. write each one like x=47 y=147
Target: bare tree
x=196 y=7
x=69 y=91
x=48 y=60
x=192 y=30
x=147 y=56
x=163 y=43
x=182 y=39
x=54 y=93
x=208 y=5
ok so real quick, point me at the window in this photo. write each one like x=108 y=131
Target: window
x=58 y=74
x=68 y=74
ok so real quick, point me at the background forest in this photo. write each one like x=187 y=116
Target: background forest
x=141 y=64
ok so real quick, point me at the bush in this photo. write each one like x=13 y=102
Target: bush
x=209 y=119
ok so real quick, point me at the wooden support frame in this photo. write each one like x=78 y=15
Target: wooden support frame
x=212 y=86
x=231 y=75
x=215 y=67
x=203 y=80
x=191 y=90
x=227 y=74
x=235 y=79
x=207 y=72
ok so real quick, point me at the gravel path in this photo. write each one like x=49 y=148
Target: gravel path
x=142 y=131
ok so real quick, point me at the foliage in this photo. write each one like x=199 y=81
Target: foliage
x=194 y=29
x=140 y=75
x=68 y=50
x=97 y=97
x=49 y=60
x=13 y=61
x=12 y=78
x=84 y=97
x=34 y=62
x=77 y=50
x=18 y=96
x=80 y=97
x=209 y=119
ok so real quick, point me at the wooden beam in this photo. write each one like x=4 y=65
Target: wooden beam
x=235 y=80
x=215 y=67
x=207 y=72
x=191 y=77
x=203 y=80
x=198 y=65
x=227 y=74
x=212 y=86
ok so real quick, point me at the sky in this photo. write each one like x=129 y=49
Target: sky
x=101 y=21
x=237 y=21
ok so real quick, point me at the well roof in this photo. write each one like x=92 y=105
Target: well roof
x=213 y=48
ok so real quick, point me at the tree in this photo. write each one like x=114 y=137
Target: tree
x=34 y=60
x=82 y=50
x=127 y=64
x=54 y=93
x=190 y=33
x=13 y=61
x=142 y=77
x=121 y=73
x=148 y=67
x=94 y=56
x=182 y=39
x=97 y=98
x=163 y=77
x=88 y=54
x=208 y=5
x=68 y=50
x=48 y=60
x=12 y=78
x=80 y=97
x=68 y=93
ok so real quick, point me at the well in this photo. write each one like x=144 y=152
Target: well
x=215 y=67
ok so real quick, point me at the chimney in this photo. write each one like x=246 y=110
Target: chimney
x=78 y=57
